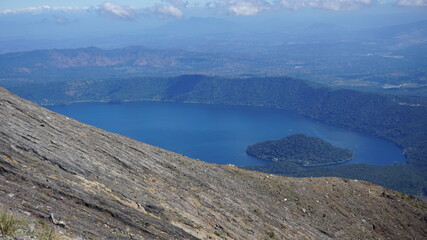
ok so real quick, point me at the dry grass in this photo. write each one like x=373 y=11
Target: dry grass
x=12 y=225
x=8 y=223
x=45 y=232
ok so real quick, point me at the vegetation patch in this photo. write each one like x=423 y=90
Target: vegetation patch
x=8 y=223
x=271 y=234
x=12 y=225
x=300 y=149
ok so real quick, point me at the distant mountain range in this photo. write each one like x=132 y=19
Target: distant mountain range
x=415 y=32
x=92 y=62
x=386 y=59
x=94 y=57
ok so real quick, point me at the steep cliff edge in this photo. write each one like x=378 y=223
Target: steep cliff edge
x=103 y=185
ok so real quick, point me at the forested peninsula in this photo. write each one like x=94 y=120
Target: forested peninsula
x=300 y=149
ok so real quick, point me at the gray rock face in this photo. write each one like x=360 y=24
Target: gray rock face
x=102 y=185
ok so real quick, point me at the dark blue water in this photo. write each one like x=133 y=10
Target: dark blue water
x=220 y=134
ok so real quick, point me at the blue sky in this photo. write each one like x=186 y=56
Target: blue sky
x=15 y=4
x=172 y=7
x=19 y=4
x=147 y=12
x=83 y=19
x=152 y=12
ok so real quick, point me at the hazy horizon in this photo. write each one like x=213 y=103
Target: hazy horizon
x=67 y=24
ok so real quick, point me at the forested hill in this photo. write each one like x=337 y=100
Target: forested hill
x=300 y=149
x=401 y=120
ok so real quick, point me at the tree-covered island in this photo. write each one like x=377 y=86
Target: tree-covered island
x=300 y=149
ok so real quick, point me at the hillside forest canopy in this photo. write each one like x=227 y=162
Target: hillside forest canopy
x=300 y=149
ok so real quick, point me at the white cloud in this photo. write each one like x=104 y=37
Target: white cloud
x=175 y=8
x=171 y=9
x=41 y=9
x=115 y=10
x=245 y=8
x=416 y=3
x=109 y=9
x=177 y=3
x=240 y=7
x=327 y=4
x=166 y=11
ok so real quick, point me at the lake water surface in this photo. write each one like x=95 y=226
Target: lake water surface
x=220 y=133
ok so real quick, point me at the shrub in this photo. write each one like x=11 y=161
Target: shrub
x=8 y=223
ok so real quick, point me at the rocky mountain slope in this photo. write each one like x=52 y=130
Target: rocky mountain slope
x=101 y=185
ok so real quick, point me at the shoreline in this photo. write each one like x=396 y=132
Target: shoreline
x=242 y=104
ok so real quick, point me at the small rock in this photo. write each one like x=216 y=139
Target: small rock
x=24 y=212
x=387 y=195
x=55 y=221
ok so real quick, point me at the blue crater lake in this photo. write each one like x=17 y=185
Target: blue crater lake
x=220 y=133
